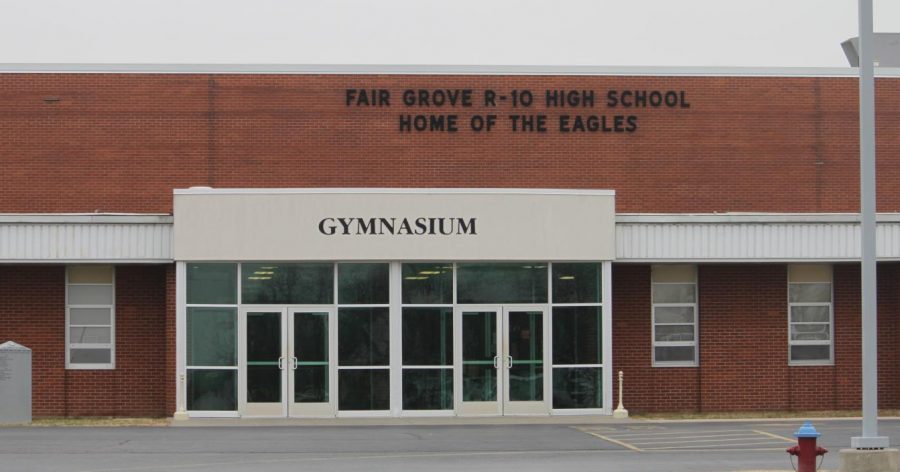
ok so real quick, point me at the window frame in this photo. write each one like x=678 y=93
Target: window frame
x=830 y=304
x=695 y=306
x=112 y=325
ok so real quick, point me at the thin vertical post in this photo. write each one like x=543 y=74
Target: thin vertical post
x=869 y=438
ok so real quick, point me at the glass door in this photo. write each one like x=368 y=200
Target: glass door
x=478 y=359
x=262 y=355
x=524 y=363
x=311 y=348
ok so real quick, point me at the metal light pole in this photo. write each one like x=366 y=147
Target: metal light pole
x=869 y=438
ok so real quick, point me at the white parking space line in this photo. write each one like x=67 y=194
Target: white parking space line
x=692 y=440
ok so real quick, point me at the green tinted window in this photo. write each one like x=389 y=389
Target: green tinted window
x=211 y=336
x=279 y=283
x=430 y=284
x=363 y=284
x=576 y=283
x=427 y=336
x=524 y=282
x=212 y=284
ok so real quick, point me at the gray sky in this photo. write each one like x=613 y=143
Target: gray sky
x=551 y=32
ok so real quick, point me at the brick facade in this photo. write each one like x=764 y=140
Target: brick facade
x=83 y=143
x=743 y=343
x=33 y=313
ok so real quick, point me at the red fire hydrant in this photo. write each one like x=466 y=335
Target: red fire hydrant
x=806 y=449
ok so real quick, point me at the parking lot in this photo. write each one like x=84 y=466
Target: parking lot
x=629 y=446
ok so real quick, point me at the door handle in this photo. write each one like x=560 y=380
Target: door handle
x=509 y=361
x=281 y=363
x=496 y=360
x=295 y=363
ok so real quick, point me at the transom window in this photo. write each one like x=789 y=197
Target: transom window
x=810 y=314
x=674 y=311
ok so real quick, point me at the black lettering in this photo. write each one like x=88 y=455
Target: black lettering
x=552 y=98
x=404 y=227
x=627 y=103
x=655 y=99
x=405 y=123
x=345 y=223
x=640 y=98
x=684 y=103
x=409 y=97
x=564 y=124
x=421 y=226
x=362 y=227
x=618 y=123
x=490 y=98
x=465 y=228
x=448 y=230
x=386 y=223
x=593 y=123
x=632 y=124
x=351 y=94
x=671 y=99
x=384 y=98
x=328 y=229
x=612 y=99
x=431 y=225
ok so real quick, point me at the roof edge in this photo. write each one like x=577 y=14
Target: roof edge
x=433 y=69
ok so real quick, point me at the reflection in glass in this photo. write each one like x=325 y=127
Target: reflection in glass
x=524 y=282
x=364 y=389
x=363 y=336
x=211 y=390
x=810 y=292
x=576 y=335
x=526 y=348
x=479 y=345
x=674 y=353
x=577 y=387
x=311 y=384
x=811 y=353
x=211 y=336
x=428 y=284
x=363 y=284
x=674 y=293
x=263 y=352
x=283 y=283
x=427 y=336
x=576 y=283
x=212 y=284
x=427 y=389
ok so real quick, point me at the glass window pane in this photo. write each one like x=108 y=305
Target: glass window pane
x=673 y=314
x=810 y=332
x=90 y=335
x=479 y=345
x=577 y=387
x=363 y=284
x=211 y=390
x=90 y=356
x=90 y=316
x=90 y=294
x=428 y=336
x=263 y=383
x=811 y=353
x=576 y=335
x=427 y=389
x=263 y=337
x=674 y=353
x=430 y=284
x=502 y=283
x=526 y=348
x=280 y=283
x=212 y=284
x=810 y=314
x=674 y=332
x=576 y=283
x=90 y=274
x=364 y=389
x=363 y=335
x=311 y=384
x=311 y=337
x=211 y=336
x=810 y=293
x=674 y=293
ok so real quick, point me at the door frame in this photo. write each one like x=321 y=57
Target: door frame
x=502 y=406
x=262 y=410
x=312 y=410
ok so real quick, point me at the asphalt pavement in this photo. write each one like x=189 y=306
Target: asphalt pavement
x=621 y=447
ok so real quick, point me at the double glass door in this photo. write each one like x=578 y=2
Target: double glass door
x=502 y=360
x=287 y=355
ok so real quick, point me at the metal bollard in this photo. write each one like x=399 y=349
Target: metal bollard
x=806 y=449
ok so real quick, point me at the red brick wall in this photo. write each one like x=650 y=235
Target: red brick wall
x=770 y=144
x=743 y=344
x=32 y=313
